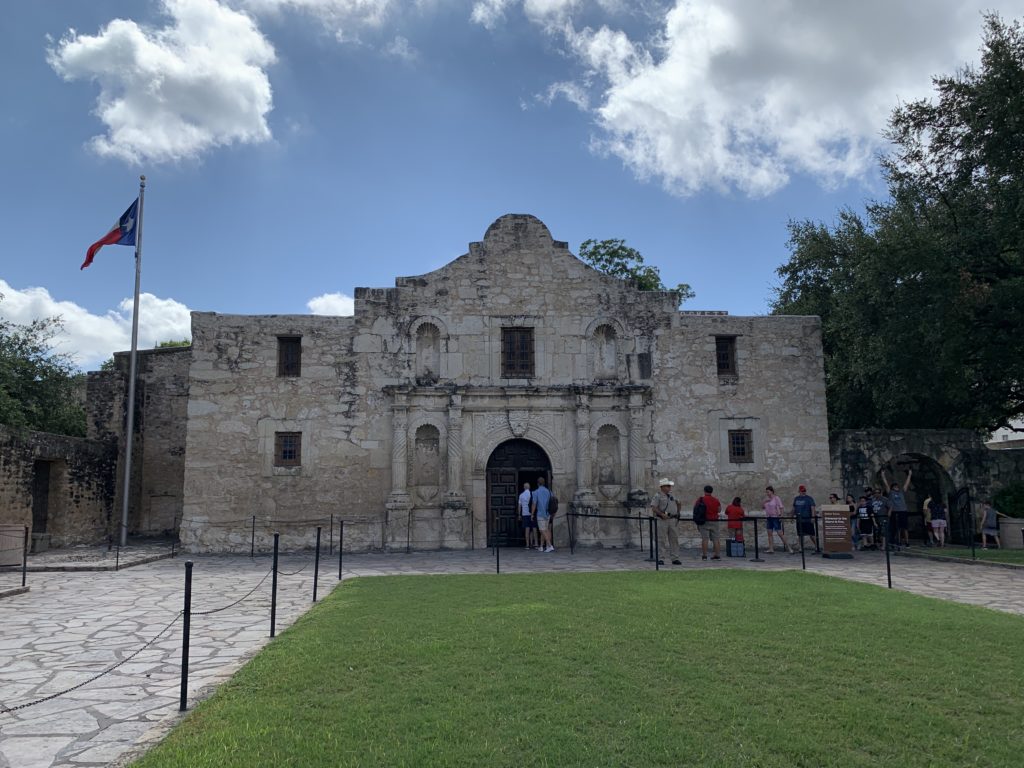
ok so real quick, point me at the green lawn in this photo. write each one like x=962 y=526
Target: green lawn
x=718 y=668
x=994 y=555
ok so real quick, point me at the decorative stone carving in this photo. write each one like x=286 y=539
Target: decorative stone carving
x=518 y=422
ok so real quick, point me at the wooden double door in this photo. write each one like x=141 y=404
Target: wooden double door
x=513 y=463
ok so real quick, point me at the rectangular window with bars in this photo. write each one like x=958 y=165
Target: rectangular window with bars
x=289 y=355
x=725 y=355
x=287 y=449
x=517 y=353
x=741 y=446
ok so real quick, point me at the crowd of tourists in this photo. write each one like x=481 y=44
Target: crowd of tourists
x=708 y=516
x=880 y=517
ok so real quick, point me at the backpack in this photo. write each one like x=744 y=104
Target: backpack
x=553 y=504
x=700 y=511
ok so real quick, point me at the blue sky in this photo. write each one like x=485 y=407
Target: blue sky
x=296 y=149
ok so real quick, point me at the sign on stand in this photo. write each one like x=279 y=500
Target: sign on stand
x=836 y=535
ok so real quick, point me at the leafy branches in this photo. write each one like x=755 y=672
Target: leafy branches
x=615 y=258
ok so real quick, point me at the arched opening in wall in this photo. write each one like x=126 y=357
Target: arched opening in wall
x=512 y=463
x=606 y=365
x=927 y=478
x=428 y=354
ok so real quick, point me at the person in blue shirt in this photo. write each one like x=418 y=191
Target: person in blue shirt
x=803 y=510
x=541 y=500
x=898 y=506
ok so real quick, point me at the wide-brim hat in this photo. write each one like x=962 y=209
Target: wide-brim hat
x=665 y=481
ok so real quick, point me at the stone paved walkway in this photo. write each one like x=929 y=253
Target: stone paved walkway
x=71 y=626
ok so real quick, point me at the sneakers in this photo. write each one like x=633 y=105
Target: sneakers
x=715 y=557
x=677 y=561
x=703 y=557
x=661 y=562
x=549 y=550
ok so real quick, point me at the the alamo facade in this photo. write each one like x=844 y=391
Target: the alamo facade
x=419 y=418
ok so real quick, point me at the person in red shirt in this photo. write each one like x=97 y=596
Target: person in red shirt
x=735 y=513
x=711 y=528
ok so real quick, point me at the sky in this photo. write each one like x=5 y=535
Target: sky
x=297 y=149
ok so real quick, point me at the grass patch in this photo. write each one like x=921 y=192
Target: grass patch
x=964 y=553
x=722 y=668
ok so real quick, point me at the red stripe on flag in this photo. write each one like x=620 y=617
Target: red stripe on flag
x=108 y=239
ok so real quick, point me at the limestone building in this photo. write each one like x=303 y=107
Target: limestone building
x=419 y=418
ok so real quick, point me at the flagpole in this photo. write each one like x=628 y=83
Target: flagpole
x=130 y=431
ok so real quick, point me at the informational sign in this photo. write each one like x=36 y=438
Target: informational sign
x=835 y=531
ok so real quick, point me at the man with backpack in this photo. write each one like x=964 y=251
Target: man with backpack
x=540 y=508
x=705 y=517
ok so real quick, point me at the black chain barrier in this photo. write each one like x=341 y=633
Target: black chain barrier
x=5 y=709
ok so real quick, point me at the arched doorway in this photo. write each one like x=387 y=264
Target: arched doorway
x=928 y=478
x=512 y=463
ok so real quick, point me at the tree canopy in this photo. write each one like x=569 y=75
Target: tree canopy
x=615 y=258
x=922 y=296
x=39 y=389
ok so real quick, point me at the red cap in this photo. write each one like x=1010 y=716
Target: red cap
x=803 y=489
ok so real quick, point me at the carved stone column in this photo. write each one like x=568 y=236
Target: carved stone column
x=583 y=468
x=584 y=497
x=637 y=463
x=456 y=496
x=398 y=504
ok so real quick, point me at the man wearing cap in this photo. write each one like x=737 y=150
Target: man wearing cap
x=666 y=509
x=803 y=510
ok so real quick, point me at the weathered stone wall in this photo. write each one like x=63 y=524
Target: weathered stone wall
x=79 y=493
x=400 y=407
x=943 y=461
x=158 y=451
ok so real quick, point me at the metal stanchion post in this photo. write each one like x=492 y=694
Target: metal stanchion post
x=24 y=558
x=330 y=537
x=341 y=545
x=757 y=552
x=650 y=539
x=497 y=558
x=657 y=554
x=888 y=564
x=273 y=588
x=316 y=562
x=252 y=544
x=572 y=533
x=640 y=525
x=117 y=557
x=800 y=538
x=185 y=629
x=974 y=555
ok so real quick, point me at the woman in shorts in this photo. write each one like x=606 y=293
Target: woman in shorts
x=939 y=521
x=773 y=508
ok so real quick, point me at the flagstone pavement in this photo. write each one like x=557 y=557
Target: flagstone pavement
x=71 y=626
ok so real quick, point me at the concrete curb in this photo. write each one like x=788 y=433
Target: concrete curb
x=965 y=560
x=12 y=592
x=56 y=568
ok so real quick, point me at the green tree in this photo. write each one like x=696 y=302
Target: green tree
x=922 y=296
x=39 y=389
x=615 y=258
x=179 y=343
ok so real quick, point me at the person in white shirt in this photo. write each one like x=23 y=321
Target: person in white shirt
x=529 y=524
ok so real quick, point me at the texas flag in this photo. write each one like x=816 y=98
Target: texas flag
x=123 y=233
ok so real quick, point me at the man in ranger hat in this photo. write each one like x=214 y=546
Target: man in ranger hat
x=666 y=509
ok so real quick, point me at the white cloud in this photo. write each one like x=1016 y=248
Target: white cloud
x=334 y=304
x=342 y=17
x=574 y=93
x=742 y=94
x=489 y=13
x=90 y=339
x=173 y=93
x=401 y=49
x=550 y=14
